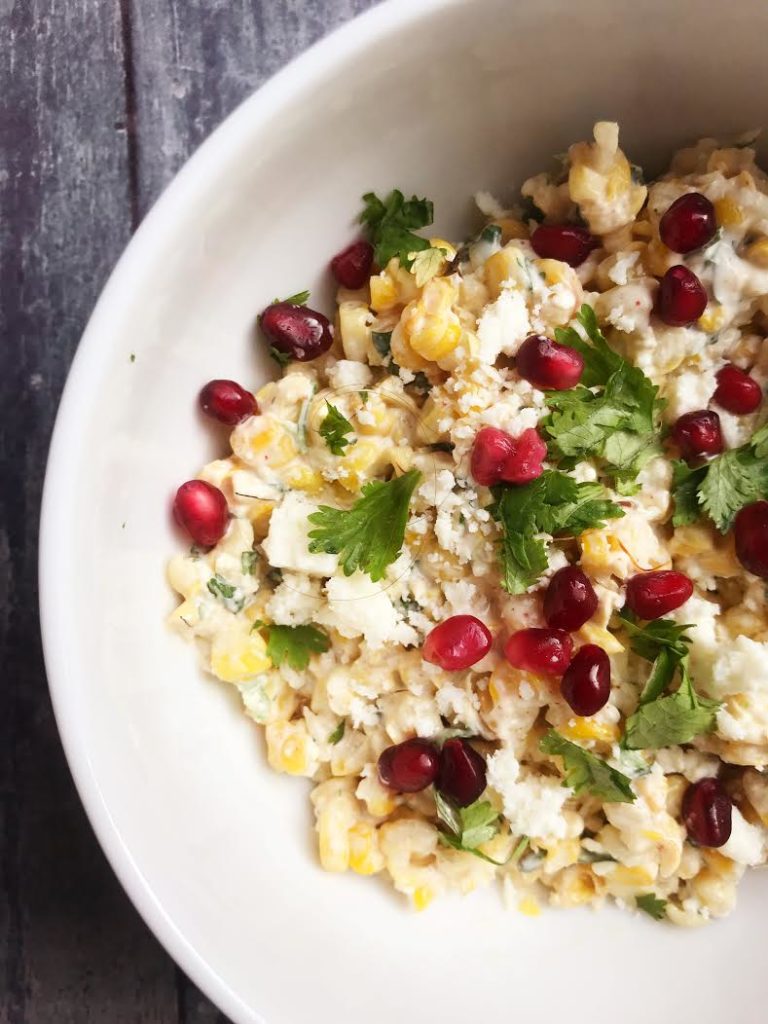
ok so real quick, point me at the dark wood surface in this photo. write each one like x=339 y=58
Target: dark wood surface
x=101 y=101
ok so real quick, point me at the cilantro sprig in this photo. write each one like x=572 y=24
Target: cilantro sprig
x=611 y=415
x=229 y=595
x=390 y=223
x=650 y=904
x=334 y=430
x=368 y=536
x=554 y=504
x=585 y=772
x=467 y=828
x=294 y=645
x=723 y=486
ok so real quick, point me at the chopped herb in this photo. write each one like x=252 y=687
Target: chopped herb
x=650 y=639
x=363 y=395
x=338 y=733
x=248 y=561
x=491 y=233
x=133 y=357
x=382 y=341
x=298 y=299
x=226 y=593
x=669 y=721
x=652 y=905
x=295 y=644
x=442 y=446
x=467 y=828
x=390 y=223
x=685 y=487
x=281 y=358
x=585 y=772
x=334 y=429
x=368 y=536
x=419 y=383
x=554 y=504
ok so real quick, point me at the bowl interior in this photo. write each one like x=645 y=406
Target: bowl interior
x=442 y=99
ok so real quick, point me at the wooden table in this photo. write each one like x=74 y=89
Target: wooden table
x=101 y=101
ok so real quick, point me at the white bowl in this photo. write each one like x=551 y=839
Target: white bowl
x=441 y=98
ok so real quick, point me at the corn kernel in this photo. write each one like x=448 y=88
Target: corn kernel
x=355 y=329
x=593 y=634
x=364 y=855
x=501 y=266
x=289 y=747
x=757 y=253
x=383 y=420
x=383 y=292
x=362 y=460
x=305 y=479
x=529 y=907
x=632 y=876
x=511 y=229
x=712 y=319
x=586 y=729
x=186 y=615
x=442 y=243
x=238 y=655
x=259 y=513
x=728 y=213
x=333 y=843
x=271 y=441
x=422 y=897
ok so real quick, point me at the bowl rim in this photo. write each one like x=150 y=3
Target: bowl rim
x=196 y=176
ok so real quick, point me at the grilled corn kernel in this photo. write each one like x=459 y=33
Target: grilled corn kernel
x=355 y=330
x=587 y=729
x=186 y=616
x=376 y=419
x=259 y=513
x=511 y=229
x=422 y=897
x=362 y=460
x=237 y=654
x=333 y=841
x=430 y=326
x=728 y=213
x=500 y=267
x=305 y=479
x=365 y=858
x=592 y=634
x=712 y=319
x=383 y=292
x=290 y=748
x=757 y=253
x=271 y=442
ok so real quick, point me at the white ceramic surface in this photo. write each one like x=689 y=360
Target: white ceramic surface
x=441 y=98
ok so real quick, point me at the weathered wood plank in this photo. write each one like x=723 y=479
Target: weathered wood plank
x=72 y=949
x=197 y=59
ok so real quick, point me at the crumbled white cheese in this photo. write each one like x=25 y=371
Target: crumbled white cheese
x=688 y=391
x=464 y=598
x=359 y=607
x=503 y=326
x=287 y=543
x=295 y=601
x=348 y=373
x=740 y=667
x=533 y=806
x=747 y=844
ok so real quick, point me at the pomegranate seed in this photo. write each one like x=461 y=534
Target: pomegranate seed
x=227 y=402
x=297 y=331
x=523 y=463
x=688 y=224
x=497 y=456
x=586 y=684
x=653 y=594
x=736 y=391
x=458 y=642
x=707 y=813
x=570 y=599
x=548 y=365
x=698 y=434
x=564 y=242
x=410 y=766
x=462 y=772
x=202 y=510
x=541 y=651
x=682 y=298
x=750 y=530
x=352 y=266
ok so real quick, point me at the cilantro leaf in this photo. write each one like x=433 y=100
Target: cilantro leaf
x=554 y=504
x=248 y=562
x=389 y=224
x=334 y=429
x=229 y=595
x=759 y=442
x=295 y=300
x=734 y=479
x=650 y=639
x=584 y=771
x=467 y=828
x=368 y=536
x=338 y=733
x=685 y=487
x=427 y=264
x=652 y=905
x=671 y=720
x=600 y=361
x=281 y=358
x=295 y=644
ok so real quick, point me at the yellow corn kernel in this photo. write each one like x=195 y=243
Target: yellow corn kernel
x=186 y=615
x=632 y=876
x=511 y=229
x=728 y=213
x=364 y=855
x=712 y=319
x=690 y=540
x=383 y=292
x=422 y=897
x=435 y=337
x=529 y=907
x=586 y=729
x=383 y=419
x=273 y=443
x=657 y=258
x=305 y=479
x=333 y=843
x=563 y=853
x=289 y=747
x=442 y=243
x=259 y=513
x=267 y=394
x=757 y=253
x=554 y=271
x=500 y=267
x=361 y=461
x=355 y=329
x=592 y=634
x=238 y=654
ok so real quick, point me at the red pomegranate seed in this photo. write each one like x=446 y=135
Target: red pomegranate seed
x=653 y=594
x=410 y=766
x=736 y=391
x=688 y=224
x=296 y=331
x=523 y=463
x=707 y=813
x=352 y=266
x=586 y=684
x=227 y=402
x=570 y=599
x=462 y=772
x=202 y=510
x=458 y=642
x=565 y=242
x=541 y=651
x=750 y=529
x=497 y=456
x=698 y=434
x=548 y=365
x=682 y=298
